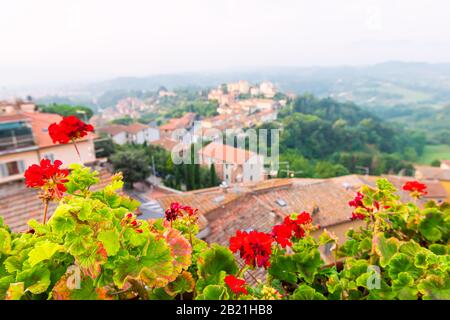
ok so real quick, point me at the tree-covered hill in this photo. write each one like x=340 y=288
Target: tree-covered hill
x=337 y=133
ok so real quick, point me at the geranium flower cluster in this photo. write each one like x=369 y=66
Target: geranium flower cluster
x=254 y=247
x=69 y=129
x=361 y=208
x=48 y=177
x=235 y=284
x=283 y=233
x=177 y=210
x=130 y=221
x=415 y=188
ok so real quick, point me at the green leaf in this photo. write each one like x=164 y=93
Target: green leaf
x=439 y=249
x=420 y=260
x=411 y=248
x=80 y=178
x=43 y=251
x=404 y=287
x=353 y=268
x=433 y=226
x=308 y=264
x=283 y=267
x=183 y=283
x=385 y=248
x=85 y=212
x=212 y=262
x=5 y=241
x=214 y=292
x=62 y=225
x=434 y=287
x=350 y=248
x=305 y=292
x=155 y=269
x=400 y=262
x=79 y=240
x=110 y=240
x=36 y=280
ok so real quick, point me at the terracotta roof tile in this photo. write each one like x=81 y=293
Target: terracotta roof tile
x=136 y=127
x=19 y=204
x=113 y=129
x=225 y=153
x=431 y=173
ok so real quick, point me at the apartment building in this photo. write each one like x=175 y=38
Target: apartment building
x=24 y=141
x=233 y=165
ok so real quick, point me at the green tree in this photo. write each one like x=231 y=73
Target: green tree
x=213 y=179
x=68 y=110
x=104 y=148
x=123 y=121
x=133 y=164
x=436 y=163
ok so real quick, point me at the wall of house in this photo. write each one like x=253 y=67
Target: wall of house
x=67 y=153
x=28 y=158
x=152 y=134
x=120 y=138
x=341 y=229
x=253 y=169
x=64 y=152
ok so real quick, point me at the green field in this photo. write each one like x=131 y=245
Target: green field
x=431 y=152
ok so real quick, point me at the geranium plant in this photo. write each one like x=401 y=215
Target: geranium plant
x=94 y=246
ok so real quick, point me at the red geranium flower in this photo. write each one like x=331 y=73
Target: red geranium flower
x=282 y=233
x=357 y=216
x=177 y=210
x=69 y=129
x=357 y=203
x=254 y=247
x=47 y=176
x=130 y=220
x=235 y=284
x=416 y=188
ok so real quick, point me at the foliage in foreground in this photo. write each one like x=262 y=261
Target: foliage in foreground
x=93 y=247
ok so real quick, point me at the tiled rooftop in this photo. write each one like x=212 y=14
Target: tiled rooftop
x=19 y=204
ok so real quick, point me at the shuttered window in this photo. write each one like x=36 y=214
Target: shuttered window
x=12 y=168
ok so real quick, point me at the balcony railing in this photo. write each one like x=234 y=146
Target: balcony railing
x=16 y=142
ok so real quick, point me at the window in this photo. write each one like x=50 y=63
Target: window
x=49 y=156
x=12 y=168
x=251 y=178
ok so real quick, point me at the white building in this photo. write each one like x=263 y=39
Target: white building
x=268 y=89
x=233 y=165
x=134 y=133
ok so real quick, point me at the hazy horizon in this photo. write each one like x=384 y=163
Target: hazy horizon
x=50 y=42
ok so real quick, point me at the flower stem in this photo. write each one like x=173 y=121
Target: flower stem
x=242 y=270
x=76 y=149
x=44 y=220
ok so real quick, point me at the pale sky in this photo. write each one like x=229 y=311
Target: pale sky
x=53 y=41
